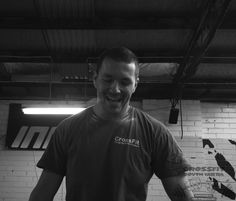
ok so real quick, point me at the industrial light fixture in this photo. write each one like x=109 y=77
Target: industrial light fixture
x=174 y=112
x=173 y=117
x=55 y=110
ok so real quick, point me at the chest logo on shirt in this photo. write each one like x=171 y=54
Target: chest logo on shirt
x=127 y=141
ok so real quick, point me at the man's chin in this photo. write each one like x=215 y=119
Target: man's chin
x=114 y=110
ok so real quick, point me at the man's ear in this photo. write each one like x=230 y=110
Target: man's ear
x=137 y=81
x=136 y=84
x=95 y=75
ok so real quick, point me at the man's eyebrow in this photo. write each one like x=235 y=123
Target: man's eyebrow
x=106 y=75
x=126 y=79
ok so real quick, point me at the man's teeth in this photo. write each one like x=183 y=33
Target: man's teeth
x=113 y=99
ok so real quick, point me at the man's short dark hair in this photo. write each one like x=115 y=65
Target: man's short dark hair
x=119 y=54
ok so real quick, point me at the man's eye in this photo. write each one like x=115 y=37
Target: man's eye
x=125 y=82
x=107 y=80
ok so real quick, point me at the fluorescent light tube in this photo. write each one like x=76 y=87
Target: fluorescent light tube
x=52 y=110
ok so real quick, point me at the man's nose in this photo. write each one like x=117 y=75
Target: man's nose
x=115 y=87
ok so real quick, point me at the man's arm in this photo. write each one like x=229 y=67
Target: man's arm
x=178 y=188
x=46 y=187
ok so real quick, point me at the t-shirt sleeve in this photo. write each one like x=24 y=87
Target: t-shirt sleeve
x=167 y=157
x=54 y=157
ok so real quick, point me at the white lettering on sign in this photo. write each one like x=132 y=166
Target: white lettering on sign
x=26 y=134
x=19 y=137
x=49 y=137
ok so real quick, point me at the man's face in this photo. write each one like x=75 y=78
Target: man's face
x=115 y=83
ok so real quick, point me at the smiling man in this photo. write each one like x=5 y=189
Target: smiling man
x=116 y=80
x=111 y=150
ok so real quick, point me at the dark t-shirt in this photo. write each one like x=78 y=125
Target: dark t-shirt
x=111 y=160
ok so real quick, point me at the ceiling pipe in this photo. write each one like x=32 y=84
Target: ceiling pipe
x=189 y=65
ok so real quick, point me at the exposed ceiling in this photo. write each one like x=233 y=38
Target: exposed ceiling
x=186 y=48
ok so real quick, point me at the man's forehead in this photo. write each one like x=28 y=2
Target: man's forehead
x=108 y=60
x=113 y=63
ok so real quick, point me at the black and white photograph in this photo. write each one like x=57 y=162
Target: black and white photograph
x=117 y=100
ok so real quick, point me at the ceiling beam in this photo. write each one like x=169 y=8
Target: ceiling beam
x=96 y=24
x=220 y=84
x=41 y=57
x=83 y=90
x=174 y=22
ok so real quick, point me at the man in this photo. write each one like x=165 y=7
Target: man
x=110 y=151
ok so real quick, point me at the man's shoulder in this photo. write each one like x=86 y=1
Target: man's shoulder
x=76 y=118
x=144 y=116
x=148 y=121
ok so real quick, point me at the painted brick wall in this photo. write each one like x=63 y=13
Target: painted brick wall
x=18 y=174
x=219 y=128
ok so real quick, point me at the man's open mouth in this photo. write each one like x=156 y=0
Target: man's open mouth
x=113 y=99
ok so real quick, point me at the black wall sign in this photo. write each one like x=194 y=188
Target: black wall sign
x=30 y=132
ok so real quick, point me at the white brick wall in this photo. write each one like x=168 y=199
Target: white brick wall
x=18 y=171
x=18 y=174
x=219 y=120
x=191 y=116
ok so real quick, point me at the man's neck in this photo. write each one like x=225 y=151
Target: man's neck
x=109 y=115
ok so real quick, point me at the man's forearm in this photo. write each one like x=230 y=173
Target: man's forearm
x=181 y=193
x=39 y=196
x=178 y=188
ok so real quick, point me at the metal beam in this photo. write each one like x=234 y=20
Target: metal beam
x=42 y=57
x=97 y=24
x=14 y=58
x=211 y=85
x=70 y=90
x=83 y=90
x=204 y=96
x=174 y=22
